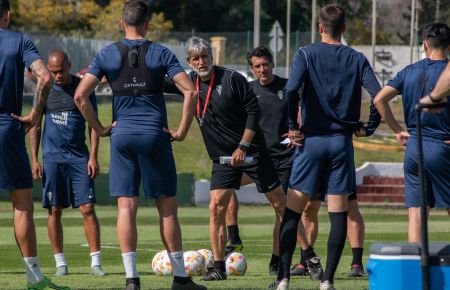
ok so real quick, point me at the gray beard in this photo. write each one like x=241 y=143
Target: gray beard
x=203 y=74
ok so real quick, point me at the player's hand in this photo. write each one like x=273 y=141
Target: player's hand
x=447 y=142
x=237 y=157
x=93 y=167
x=174 y=135
x=402 y=137
x=106 y=131
x=36 y=170
x=360 y=133
x=427 y=101
x=296 y=138
x=28 y=121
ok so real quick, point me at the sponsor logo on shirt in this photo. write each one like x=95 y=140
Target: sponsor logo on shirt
x=280 y=94
x=134 y=84
x=219 y=89
x=59 y=118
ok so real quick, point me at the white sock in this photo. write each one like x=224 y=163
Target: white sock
x=33 y=270
x=129 y=262
x=95 y=259
x=177 y=261
x=60 y=260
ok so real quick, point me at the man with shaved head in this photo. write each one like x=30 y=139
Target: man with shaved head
x=69 y=168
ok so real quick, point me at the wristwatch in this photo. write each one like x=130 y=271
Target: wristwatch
x=244 y=146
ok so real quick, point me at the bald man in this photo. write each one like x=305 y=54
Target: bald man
x=69 y=168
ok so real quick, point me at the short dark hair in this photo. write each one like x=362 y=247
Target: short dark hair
x=437 y=35
x=4 y=6
x=332 y=18
x=260 y=51
x=135 y=12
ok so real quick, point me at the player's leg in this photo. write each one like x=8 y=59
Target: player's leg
x=310 y=223
x=340 y=183
x=56 y=237
x=56 y=196
x=15 y=172
x=84 y=197
x=355 y=233
x=159 y=180
x=234 y=240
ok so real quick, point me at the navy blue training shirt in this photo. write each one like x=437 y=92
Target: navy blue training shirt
x=333 y=77
x=17 y=51
x=64 y=136
x=415 y=81
x=138 y=114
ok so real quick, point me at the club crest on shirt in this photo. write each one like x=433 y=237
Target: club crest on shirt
x=280 y=94
x=49 y=195
x=219 y=89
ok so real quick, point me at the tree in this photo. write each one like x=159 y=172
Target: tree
x=107 y=23
x=56 y=16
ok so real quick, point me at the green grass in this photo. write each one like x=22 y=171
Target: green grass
x=255 y=226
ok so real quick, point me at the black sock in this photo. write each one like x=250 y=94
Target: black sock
x=274 y=260
x=220 y=265
x=233 y=234
x=336 y=242
x=288 y=239
x=308 y=253
x=181 y=280
x=357 y=256
x=302 y=258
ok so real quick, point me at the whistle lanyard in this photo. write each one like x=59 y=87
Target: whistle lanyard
x=208 y=96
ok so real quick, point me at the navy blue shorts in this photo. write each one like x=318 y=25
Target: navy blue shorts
x=261 y=171
x=322 y=194
x=146 y=157
x=15 y=170
x=324 y=163
x=437 y=173
x=67 y=184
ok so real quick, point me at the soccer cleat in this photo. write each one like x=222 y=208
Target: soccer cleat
x=190 y=285
x=315 y=270
x=133 y=284
x=98 y=271
x=326 y=285
x=356 y=271
x=214 y=275
x=62 y=271
x=279 y=285
x=299 y=270
x=273 y=269
x=45 y=284
x=230 y=247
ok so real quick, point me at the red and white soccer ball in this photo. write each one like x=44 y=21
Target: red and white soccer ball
x=236 y=264
x=194 y=263
x=208 y=256
x=161 y=264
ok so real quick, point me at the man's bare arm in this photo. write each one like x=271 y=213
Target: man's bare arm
x=35 y=139
x=186 y=87
x=81 y=97
x=43 y=86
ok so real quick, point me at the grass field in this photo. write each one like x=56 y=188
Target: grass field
x=255 y=224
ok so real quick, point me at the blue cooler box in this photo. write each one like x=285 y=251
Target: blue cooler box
x=396 y=266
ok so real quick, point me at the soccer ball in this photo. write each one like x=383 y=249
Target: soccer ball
x=208 y=256
x=194 y=263
x=236 y=264
x=161 y=264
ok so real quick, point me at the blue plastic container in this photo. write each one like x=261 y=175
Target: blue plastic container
x=396 y=266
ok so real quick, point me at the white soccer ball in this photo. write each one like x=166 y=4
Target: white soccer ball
x=161 y=264
x=194 y=263
x=236 y=264
x=208 y=256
